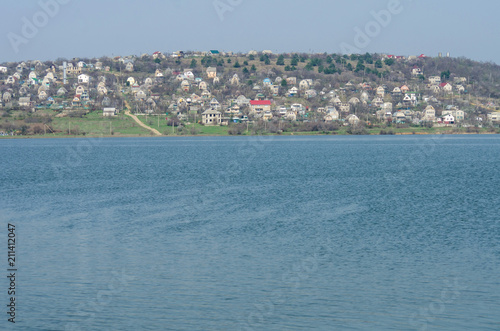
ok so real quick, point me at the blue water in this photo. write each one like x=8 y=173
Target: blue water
x=275 y=233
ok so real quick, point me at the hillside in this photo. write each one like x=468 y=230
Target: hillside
x=306 y=92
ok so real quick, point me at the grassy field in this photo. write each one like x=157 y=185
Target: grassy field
x=188 y=129
x=95 y=124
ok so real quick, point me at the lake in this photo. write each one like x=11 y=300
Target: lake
x=253 y=233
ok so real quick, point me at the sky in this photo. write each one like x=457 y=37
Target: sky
x=51 y=29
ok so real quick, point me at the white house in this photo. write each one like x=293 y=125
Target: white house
x=83 y=79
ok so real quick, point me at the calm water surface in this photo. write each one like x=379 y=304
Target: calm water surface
x=276 y=233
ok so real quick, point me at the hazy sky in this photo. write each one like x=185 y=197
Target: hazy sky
x=93 y=28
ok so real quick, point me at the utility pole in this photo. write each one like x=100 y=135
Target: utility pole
x=69 y=128
x=110 y=128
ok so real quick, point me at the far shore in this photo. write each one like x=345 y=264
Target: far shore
x=285 y=134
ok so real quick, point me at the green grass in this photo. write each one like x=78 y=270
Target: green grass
x=95 y=124
x=152 y=121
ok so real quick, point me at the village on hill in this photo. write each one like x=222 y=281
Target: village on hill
x=257 y=92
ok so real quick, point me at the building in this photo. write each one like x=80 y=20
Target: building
x=109 y=112
x=211 y=117
x=260 y=105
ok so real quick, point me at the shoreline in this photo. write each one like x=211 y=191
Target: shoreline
x=295 y=134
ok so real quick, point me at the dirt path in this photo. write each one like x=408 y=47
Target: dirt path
x=127 y=112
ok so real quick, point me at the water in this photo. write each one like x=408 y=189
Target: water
x=276 y=233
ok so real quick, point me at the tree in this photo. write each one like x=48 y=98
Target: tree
x=251 y=57
x=284 y=83
x=237 y=64
x=281 y=60
x=389 y=62
x=267 y=61
x=253 y=68
x=245 y=70
x=379 y=64
x=445 y=74
x=193 y=63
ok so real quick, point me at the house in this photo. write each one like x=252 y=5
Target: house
x=459 y=80
x=332 y=115
x=380 y=91
x=494 y=117
x=10 y=80
x=235 y=80
x=435 y=80
x=291 y=81
x=242 y=101
x=404 y=89
x=98 y=65
x=129 y=67
x=62 y=91
x=148 y=81
x=460 y=88
x=202 y=85
x=304 y=85
x=158 y=73
x=416 y=71
x=189 y=75
x=396 y=92
x=83 y=79
x=260 y=105
x=7 y=97
x=275 y=89
x=3 y=69
x=140 y=95
x=448 y=119
x=109 y=112
x=102 y=90
x=130 y=81
x=158 y=55
x=214 y=104
x=353 y=119
x=291 y=116
x=377 y=102
x=293 y=92
x=354 y=101
x=345 y=107
x=282 y=111
x=364 y=97
x=42 y=95
x=310 y=94
x=185 y=85
x=429 y=114
x=211 y=72
x=205 y=95
x=457 y=114
x=76 y=102
x=80 y=89
x=399 y=117
x=435 y=89
x=211 y=117
x=24 y=101
x=296 y=108
x=267 y=116
x=446 y=87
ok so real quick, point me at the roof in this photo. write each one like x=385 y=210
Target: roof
x=260 y=102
